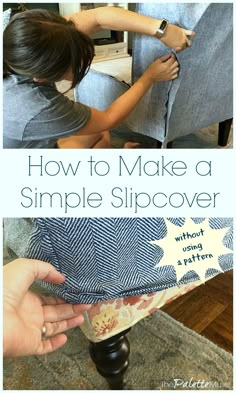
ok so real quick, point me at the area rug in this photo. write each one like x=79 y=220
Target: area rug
x=165 y=355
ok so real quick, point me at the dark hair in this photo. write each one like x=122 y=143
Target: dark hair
x=44 y=45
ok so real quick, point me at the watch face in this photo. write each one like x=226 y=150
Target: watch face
x=163 y=25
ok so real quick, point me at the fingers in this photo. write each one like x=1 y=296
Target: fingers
x=60 y=312
x=46 y=300
x=54 y=328
x=21 y=273
x=189 y=33
x=188 y=42
x=171 y=60
x=174 y=65
x=174 y=70
x=53 y=276
x=178 y=49
x=174 y=73
x=165 y=57
x=51 y=344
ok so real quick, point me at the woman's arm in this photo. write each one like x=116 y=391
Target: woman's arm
x=120 y=19
x=114 y=18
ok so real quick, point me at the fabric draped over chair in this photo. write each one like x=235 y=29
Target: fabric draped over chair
x=203 y=93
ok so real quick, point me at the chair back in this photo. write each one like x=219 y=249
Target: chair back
x=203 y=93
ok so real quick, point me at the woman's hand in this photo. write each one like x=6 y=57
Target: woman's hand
x=163 y=69
x=26 y=313
x=177 y=38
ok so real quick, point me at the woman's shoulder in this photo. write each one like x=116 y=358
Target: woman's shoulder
x=21 y=89
x=16 y=80
x=20 y=83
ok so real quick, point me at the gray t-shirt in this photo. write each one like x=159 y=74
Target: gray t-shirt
x=36 y=115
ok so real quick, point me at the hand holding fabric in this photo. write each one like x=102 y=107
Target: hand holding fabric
x=25 y=313
x=177 y=38
x=163 y=69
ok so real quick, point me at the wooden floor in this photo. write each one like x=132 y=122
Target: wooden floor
x=208 y=310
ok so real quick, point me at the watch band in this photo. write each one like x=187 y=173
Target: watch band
x=161 y=31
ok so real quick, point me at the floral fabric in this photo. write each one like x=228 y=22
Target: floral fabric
x=110 y=317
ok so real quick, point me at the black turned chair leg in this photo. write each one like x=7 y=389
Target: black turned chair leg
x=111 y=358
x=224 y=130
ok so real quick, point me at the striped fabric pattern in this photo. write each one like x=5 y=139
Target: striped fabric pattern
x=107 y=258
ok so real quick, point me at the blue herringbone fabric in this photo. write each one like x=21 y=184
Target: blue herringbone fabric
x=106 y=258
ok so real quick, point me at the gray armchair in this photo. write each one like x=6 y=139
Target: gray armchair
x=203 y=93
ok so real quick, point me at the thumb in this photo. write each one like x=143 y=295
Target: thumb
x=21 y=273
x=189 y=32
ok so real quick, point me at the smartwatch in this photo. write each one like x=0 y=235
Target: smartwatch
x=161 y=31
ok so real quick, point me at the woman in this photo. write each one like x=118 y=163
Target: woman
x=41 y=48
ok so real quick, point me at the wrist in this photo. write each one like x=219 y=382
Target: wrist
x=162 y=29
x=154 y=25
x=147 y=78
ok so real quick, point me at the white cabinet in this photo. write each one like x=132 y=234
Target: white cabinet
x=110 y=51
x=115 y=50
